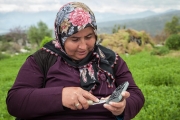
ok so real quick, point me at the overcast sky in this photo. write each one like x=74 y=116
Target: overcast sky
x=118 y=6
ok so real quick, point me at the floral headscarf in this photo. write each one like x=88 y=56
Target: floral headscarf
x=72 y=18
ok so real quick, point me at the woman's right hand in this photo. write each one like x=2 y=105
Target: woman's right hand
x=76 y=98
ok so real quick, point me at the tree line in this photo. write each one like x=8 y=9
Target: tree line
x=36 y=33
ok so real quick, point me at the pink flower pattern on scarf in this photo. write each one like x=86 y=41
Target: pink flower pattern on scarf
x=83 y=74
x=79 y=17
x=91 y=71
x=72 y=18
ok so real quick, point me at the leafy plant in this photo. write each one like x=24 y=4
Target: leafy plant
x=160 y=50
x=173 y=42
x=45 y=40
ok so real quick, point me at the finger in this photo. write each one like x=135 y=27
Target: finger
x=114 y=110
x=111 y=108
x=125 y=94
x=82 y=101
x=89 y=96
x=78 y=106
x=73 y=107
x=118 y=104
x=90 y=102
x=103 y=98
x=74 y=102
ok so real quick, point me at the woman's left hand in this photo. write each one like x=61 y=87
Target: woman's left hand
x=117 y=108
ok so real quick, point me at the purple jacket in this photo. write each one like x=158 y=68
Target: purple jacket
x=26 y=99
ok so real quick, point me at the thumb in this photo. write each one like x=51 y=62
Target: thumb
x=125 y=94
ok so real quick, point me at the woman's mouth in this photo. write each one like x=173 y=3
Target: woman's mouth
x=82 y=52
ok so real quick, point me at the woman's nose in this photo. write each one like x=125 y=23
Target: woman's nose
x=82 y=44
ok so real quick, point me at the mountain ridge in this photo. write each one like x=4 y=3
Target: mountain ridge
x=146 y=20
x=152 y=24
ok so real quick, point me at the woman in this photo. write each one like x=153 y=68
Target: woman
x=83 y=71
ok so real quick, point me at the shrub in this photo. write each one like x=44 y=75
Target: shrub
x=133 y=48
x=15 y=47
x=173 y=42
x=5 y=46
x=45 y=40
x=10 y=47
x=160 y=50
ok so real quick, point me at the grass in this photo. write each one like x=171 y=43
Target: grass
x=157 y=77
x=159 y=80
x=9 y=69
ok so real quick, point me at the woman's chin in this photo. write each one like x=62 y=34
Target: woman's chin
x=80 y=57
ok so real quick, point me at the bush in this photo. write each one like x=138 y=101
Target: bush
x=160 y=50
x=134 y=48
x=173 y=42
x=14 y=47
x=5 y=46
x=10 y=47
x=45 y=40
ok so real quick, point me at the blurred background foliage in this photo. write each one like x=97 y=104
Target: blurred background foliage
x=153 y=60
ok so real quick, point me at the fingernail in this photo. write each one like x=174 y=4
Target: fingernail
x=105 y=105
x=90 y=102
x=123 y=93
x=110 y=103
x=102 y=98
x=97 y=100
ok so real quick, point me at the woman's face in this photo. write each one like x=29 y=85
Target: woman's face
x=78 y=45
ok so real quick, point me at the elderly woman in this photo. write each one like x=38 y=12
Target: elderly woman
x=82 y=70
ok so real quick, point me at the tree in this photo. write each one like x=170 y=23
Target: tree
x=15 y=34
x=37 y=33
x=124 y=27
x=173 y=27
x=116 y=28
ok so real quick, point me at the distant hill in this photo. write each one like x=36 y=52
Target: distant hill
x=104 y=17
x=152 y=24
x=25 y=19
x=149 y=21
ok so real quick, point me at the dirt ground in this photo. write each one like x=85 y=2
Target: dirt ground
x=173 y=54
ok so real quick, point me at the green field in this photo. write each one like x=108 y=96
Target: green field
x=157 y=77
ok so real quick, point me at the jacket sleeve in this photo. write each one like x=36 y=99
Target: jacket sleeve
x=136 y=100
x=27 y=99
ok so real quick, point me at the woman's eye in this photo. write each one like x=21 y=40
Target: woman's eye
x=88 y=37
x=74 y=40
